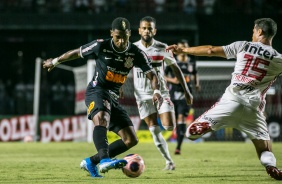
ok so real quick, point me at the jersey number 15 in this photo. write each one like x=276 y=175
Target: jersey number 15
x=251 y=60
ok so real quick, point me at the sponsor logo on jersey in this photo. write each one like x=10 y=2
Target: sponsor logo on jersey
x=115 y=77
x=89 y=47
x=118 y=59
x=109 y=51
x=256 y=49
x=130 y=54
x=90 y=107
x=128 y=62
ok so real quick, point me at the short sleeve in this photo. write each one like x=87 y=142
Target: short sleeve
x=90 y=48
x=232 y=49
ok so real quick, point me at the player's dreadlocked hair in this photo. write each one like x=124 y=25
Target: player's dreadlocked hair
x=148 y=19
x=121 y=24
x=267 y=25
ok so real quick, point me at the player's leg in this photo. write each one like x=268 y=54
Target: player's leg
x=168 y=122
x=181 y=109
x=224 y=113
x=122 y=126
x=267 y=158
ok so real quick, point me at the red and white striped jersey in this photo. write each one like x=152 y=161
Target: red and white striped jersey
x=256 y=68
x=158 y=55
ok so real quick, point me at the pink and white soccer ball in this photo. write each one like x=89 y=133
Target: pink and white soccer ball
x=135 y=165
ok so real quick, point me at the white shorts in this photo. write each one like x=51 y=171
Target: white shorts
x=229 y=113
x=147 y=107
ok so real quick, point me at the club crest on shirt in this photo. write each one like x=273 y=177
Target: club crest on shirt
x=128 y=62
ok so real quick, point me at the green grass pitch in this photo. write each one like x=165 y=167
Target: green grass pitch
x=199 y=163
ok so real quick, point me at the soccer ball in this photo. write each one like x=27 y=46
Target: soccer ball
x=135 y=165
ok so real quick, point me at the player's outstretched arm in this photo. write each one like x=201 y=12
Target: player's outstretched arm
x=180 y=77
x=157 y=97
x=70 y=55
x=205 y=50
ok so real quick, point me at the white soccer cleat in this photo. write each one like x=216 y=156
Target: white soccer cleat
x=197 y=130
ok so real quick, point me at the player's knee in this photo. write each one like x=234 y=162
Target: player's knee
x=131 y=142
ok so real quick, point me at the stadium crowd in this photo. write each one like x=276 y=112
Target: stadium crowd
x=207 y=7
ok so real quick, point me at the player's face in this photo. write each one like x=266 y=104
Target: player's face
x=256 y=34
x=120 y=39
x=147 y=31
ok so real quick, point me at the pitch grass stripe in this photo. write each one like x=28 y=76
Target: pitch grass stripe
x=199 y=163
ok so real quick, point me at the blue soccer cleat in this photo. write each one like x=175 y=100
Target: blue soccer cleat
x=107 y=164
x=91 y=168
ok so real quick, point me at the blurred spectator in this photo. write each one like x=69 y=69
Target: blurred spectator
x=208 y=6
x=67 y=6
x=159 y=6
x=82 y=6
x=189 y=6
x=40 y=6
x=99 y=6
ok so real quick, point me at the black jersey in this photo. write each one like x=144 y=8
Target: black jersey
x=188 y=69
x=112 y=67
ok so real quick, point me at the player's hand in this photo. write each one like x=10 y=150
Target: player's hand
x=48 y=64
x=158 y=99
x=189 y=98
x=175 y=49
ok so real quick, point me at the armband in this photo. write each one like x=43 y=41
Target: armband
x=55 y=61
x=157 y=91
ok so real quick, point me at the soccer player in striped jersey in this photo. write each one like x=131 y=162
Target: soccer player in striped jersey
x=143 y=91
x=242 y=105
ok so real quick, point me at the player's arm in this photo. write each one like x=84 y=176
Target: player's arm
x=205 y=50
x=157 y=97
x=70 y=55
x=180 y=77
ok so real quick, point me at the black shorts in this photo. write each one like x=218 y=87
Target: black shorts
x=98 y=99
x=181 y=107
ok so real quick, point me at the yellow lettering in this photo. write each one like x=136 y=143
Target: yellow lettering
x=115 y=77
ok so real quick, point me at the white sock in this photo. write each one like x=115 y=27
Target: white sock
x=160 y=142
x=267 y=158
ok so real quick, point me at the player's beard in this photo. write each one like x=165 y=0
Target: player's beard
x=147 y=39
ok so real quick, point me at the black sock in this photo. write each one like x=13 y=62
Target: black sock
x=180 y=129
x=117 y=148
x=101 y=141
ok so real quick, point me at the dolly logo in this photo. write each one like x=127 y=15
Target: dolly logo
x=128 y=62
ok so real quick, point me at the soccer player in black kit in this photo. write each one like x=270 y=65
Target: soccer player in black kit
x=114 y=57
x=187 y=64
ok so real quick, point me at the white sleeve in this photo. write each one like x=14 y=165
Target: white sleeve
x=232 y=49
x=169 y=58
